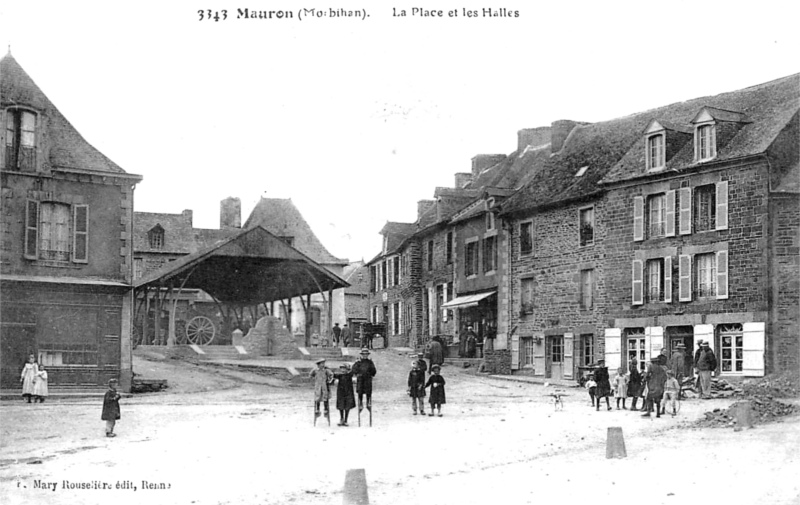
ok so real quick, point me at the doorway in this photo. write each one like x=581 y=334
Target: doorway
x=554 y=352
x=682 y=335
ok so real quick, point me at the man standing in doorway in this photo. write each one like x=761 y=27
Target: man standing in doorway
x=706 y=365
x=464 y=346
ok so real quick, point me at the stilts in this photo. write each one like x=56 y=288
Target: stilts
x=360 y=408
x=370 y=415
x=316 y=412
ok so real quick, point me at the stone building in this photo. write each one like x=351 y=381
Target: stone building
x=662 y=228
x=66 y=257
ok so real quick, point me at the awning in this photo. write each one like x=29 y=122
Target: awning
x=467 y=301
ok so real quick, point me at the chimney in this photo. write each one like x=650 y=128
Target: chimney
x=462 y=179
x=230 y=213
x=481 y=162
x=533 y=137
x=559 y=131
x=423 y=206
x=187 y=216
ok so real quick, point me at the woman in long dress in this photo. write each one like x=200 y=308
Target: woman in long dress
x=27 y=376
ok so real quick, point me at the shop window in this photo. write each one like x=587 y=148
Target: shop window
x=731 y=355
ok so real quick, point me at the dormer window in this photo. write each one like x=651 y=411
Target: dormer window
x=20 y=140
x=156 y=237
x=490 y=221
x=655 y=152
x=288 y=240
x=705 y=147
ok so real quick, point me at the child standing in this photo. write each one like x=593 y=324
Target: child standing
x=671 y=391
x=591 y=386
x=40 y=385
x=27 y=377
x=436 y=382
x=323 y=377
x=111 y=408
x=416 y=387
x=345 y=398
x=621 y=387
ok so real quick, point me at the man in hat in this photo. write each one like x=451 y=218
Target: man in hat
x=676 y=365
x=337 y=332
x=364 y=370
x=347 y=336
x=323 y=378
x=655 y=377
x=706 y=364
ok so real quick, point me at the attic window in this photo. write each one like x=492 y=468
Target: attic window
x=288 y=240
x=655 y=152
x=705 y=143
x=582 y=171
x=156 y=237
x=20 y=140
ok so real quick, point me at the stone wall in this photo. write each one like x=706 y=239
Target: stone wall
x=784 y=353
x=497 y=361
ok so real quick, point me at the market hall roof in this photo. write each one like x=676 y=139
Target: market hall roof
x=253 y=266
x=68 y=149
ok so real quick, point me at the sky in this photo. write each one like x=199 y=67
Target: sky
x=356 y=120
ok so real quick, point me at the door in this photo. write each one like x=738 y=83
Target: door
x=555 y=357
x=17 y=342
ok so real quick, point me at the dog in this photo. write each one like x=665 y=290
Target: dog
x=558 y=401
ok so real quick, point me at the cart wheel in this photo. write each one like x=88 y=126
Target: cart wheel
x=200 y=330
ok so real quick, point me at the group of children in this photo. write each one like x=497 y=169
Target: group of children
x=34 y=381
x=619 y=388
x=417 y=386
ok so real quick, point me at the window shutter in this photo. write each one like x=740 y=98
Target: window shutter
x=722 y=206
x=722 y=275
x=638 y=218
x=444 y=296
x=685 y=278
x=668 y=279
x=400 y=317
x=538 y=355
x=568 y=352
x=32 y=229
x=80 y=239
x=753 y=343
x=637 y=295
x=515 y=352
x=670 y=214
x=613 y=341
x=655 y=336
x=686 y=211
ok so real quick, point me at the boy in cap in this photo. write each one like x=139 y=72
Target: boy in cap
x=416 y=388
x=364 y=370
x=111 y=408
x=323 y=378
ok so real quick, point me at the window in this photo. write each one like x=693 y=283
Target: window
x=636 y=341
x=705 y=142
x=526 y=238
x=57 y=232
x=449 y=247
x=430 y=255
x=706 y=268
x=587 y=349
x=528 y=347
x=731 y=355
x=396 y=318
x=705 y=208
x=373 y=278
x=156 y=237
x=587 y=226
x=489 y=254
x=138 y=268
x=656 y=214
x=288 y=240
x=490 y=221
x=654 y=278
x=20 y=140
x=449 y=292
x=396 y=270
x=471 y=258
x=655 y=152
x=557 y=350
x=526 y=296
x=384 y=272
x=587 y=287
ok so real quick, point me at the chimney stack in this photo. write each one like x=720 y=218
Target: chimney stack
x=559 y=132
x=423 y=206
x=481 y=162
x=230 y=213
x=462 y=179
x=187 y=216
x=533 y=137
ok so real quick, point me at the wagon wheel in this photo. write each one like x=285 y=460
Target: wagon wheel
x=200 y=330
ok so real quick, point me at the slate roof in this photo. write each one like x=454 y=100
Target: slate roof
x=516 y=170
x=281 y=218
x=397 y=233
x=67 y=148
x=614 y=150
x=357 y=275
x=179 y=235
